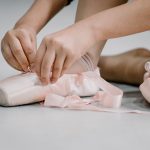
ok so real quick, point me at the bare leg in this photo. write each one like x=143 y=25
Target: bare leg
x=127 y=67
x=85 y=9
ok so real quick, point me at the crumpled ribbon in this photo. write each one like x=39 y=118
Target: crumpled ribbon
x=108 y=97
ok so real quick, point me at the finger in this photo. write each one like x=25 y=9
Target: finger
x=47 y=63
x=19 y=54
x=28 y=47
x=11 y=60
x=67 y=64
x=34 y=42
x=39 y=58
x=57 y=67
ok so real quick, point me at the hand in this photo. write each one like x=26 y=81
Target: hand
x=19 y=48
x=60 y=50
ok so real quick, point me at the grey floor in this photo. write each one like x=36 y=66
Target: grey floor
x=34 y=127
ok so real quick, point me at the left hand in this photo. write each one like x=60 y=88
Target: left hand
x=60 y=50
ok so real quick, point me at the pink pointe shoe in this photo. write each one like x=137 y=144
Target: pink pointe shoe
x=70 y=91
x=66 y=92
x=145 y=86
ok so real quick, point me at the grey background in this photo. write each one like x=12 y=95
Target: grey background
x=12 y=10
x=34 y=127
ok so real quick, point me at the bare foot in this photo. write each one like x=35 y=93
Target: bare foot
x=127 y=67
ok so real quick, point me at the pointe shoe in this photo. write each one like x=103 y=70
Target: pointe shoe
x=145 y=86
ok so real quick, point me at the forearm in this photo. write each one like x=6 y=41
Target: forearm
x=40 y=13
x=123 y=20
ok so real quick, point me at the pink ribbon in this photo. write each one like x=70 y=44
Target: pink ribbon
x=109 y=96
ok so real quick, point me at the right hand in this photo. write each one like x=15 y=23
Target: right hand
x=19 y=48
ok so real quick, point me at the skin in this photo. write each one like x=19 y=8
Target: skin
x=64 y=51
x=87 y=8
x=127 y=67
x=19 y=44
x=60 y=50
x=66 y=41
x=19 y=48
x=128 y=19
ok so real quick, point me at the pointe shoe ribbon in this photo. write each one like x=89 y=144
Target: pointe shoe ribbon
x=109 y=96
x=70 y=91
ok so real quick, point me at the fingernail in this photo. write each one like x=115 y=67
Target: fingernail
x=61 y=74
x=53 y=80
x=26 y=70
x=29 y=69
x=44 y=82
x=32 y=67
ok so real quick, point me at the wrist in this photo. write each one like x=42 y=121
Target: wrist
x=26 y=26
x=87 y=27
x=97 y=30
